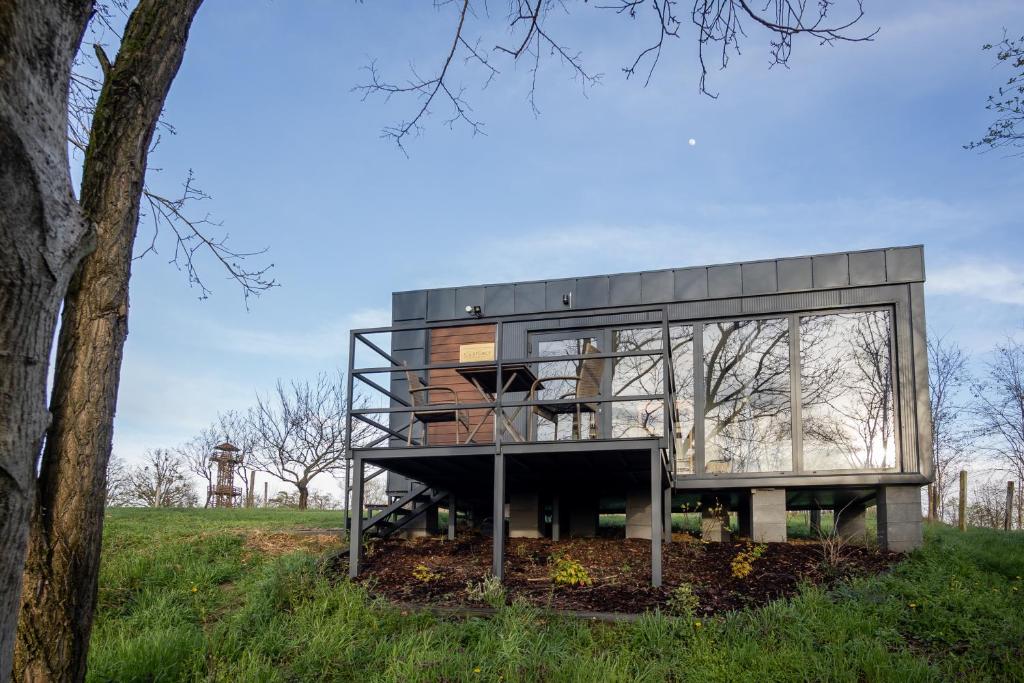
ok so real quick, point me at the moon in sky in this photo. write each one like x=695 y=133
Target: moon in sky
x=692 y=142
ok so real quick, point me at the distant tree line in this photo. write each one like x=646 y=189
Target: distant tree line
x=294 y=434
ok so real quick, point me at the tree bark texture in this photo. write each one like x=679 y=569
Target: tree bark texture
x=43 y=236
x=60 y=580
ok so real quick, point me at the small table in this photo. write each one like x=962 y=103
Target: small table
x=518 y=377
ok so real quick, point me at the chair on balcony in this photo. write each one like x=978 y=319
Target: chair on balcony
x=587 y=384
x=420 y=393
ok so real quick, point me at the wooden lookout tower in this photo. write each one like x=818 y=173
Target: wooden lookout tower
x=224 y=494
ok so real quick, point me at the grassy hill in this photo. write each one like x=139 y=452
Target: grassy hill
x=231 y=595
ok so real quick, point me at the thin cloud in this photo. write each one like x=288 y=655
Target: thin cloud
x=328 y=341
x=998 y=283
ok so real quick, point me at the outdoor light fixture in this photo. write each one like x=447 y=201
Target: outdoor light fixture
x=474 y=311
x=567 y=299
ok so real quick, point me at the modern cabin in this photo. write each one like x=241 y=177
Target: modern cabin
x=530 y=408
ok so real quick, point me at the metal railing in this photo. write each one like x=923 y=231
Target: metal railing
x=393 y=435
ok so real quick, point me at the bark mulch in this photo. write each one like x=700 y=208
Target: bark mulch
x=435 y=572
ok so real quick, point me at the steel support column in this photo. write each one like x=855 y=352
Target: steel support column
x=451 y=516
x=355 y=546
x=667 y=511
x=498 y=556
x=556 y=519
x=656 y=518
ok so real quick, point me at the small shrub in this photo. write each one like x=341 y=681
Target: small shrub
x=569 y=572
x=490 y=591
x=423 y=573
x=743 y=564
x=683 y=602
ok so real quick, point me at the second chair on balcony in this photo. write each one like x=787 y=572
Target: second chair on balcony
x=586 y=385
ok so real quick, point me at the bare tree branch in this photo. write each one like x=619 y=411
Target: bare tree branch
x=1007 y=102
x=718 y=23
x=191 y=238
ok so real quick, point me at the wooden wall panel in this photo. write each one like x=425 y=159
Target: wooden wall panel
x=444 y=348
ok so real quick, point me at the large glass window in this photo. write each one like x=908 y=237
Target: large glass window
x=569 y=379
x=636 y=376
x=846 y=389
x=747 y=412
x=681 y=338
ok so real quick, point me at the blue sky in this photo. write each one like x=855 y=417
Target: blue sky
x=854 y=146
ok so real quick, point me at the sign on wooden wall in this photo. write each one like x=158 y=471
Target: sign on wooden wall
x=474 y=353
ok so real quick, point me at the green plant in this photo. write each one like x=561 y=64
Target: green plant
x=683 y=602
x=489 y=591
x=425 y=574
x=262 y=610
x=743 y=564
x=569 y=572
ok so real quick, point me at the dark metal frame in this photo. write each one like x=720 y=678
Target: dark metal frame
x=907 y=337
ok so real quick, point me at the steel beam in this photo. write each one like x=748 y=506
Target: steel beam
x=667 y=511
x=656 y=519
x=498 y=556
x=355 y=545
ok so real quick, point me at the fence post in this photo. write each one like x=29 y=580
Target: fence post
x=1009 y=506
x=1020 y=505
x=963 y=500
x=266 y=498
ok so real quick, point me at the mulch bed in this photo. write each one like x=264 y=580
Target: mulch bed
x=619 y=569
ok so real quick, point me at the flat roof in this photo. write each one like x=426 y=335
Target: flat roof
x=838 y=270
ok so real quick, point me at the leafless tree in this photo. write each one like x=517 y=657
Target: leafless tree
x=1008 y=100
x=987 y=506
x=718 y=26
x=999 y=409
x=375 y=491
x=161 y=481
x=299 y=432
x=951 y=435
x=117 y=483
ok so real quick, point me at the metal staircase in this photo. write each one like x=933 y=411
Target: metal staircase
x=403 y=511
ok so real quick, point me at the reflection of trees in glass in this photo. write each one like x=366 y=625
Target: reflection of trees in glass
x=681 y=337
x=556 y=386
x=638 y=375
x=747 y=396
x=848 y=415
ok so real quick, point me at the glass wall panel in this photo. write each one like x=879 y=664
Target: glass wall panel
x=569 y=379
x=747 y=412
x=634 y=376
x=846 y=388
x=681 y=339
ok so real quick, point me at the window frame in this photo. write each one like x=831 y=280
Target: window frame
x=796 y=397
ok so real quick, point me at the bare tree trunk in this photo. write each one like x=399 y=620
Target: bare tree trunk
x=67 y=519
x=303 y=496
x=43 y=236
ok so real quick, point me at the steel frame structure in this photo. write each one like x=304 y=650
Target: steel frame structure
x=908 y=352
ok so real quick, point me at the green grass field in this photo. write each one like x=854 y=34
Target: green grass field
x=183 y=596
